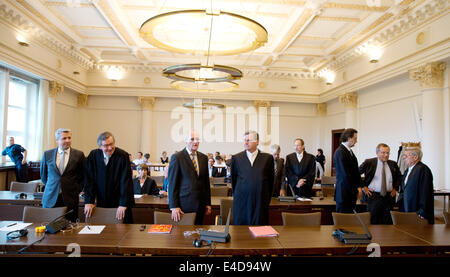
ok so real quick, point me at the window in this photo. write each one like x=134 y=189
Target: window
x=19 y=95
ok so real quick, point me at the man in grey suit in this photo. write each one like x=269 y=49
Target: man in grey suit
x=63 y=173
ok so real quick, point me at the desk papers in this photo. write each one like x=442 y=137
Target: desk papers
x=92 y=229
x=15 y=227
x=263 y=231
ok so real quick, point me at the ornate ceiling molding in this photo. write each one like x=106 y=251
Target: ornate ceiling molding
x=350 y=100
x=403 y=24
x=430 y=75
x=54 y=89
x=20 y=22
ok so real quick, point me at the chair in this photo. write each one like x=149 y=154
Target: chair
x=308 y=219
x=350 y=219
x=327 y=190
x=39 y=215
x=219 y=191
x=225 y=206
x=447 y=217
x=165 y=218
x=23 y=187
x=328 y=180
x=400 y=218
x=218 y=181
x=104 y=216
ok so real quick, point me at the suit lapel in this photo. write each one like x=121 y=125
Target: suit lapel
x=53 y=161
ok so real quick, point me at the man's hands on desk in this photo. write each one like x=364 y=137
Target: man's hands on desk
x=120 y=214
x=177 y=212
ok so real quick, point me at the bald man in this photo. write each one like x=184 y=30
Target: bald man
x=189 y=188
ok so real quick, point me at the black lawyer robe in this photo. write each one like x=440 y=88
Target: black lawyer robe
x=295 y=171
x=252 y=188
x=111 y=185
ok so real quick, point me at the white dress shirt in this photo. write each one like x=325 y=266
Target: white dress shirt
x=375 y=185
x=66 y=157
x=299 y=156
x=252 y=156
x=105 y=158
x=409 y=172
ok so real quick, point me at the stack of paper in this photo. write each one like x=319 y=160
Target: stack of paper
x=14 y=227
x=263 y=231
x=160 y=229
x=92 y=229
x=303 y=199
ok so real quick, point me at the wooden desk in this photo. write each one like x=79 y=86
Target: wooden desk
x=242 y=242
x=122 y=239
x=446 y=194
x=437 y=235
x=7 y=168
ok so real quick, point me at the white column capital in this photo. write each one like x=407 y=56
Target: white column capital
x=321 y=109
x=82 y=100
x=261 y=103
x=430 y=75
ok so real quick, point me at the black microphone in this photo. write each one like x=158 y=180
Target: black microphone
x=57 y=224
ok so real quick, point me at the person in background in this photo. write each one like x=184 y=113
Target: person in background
x=252 y=176
x=14 y=151
x=210 y=166
x=165 y=188
x=133 y=166
x=139 y=159
x=109 y=182
x=164 y=158
x=63 y=171
x=348 y=179
x=219 y=168
x=143 y=184
x=301 y=170
x=416 y=193
x=217 y=154
x=279 y=184
x=189 y=184
x=381 y=182
x=146 y=160
x=320 y=158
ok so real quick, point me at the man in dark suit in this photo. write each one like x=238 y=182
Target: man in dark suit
x=381 y=181
x=219 y=168
x=348 y=179
x=417 y=186
x=252 y=177
x=109 y=180
x=301 y=170
x=279 y=182
x=189 y=189
x=63 y=172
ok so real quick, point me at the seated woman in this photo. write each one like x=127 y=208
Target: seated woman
x=143 y=184
x=164 y=158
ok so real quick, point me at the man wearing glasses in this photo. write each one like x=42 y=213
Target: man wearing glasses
x=189 y=188
x=109 y=179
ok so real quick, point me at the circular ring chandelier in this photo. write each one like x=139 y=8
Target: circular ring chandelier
x=204 y=87
x=190 y=31
x=197 y=73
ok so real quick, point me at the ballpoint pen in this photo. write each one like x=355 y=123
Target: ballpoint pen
x=11 y=225
x=87 y=224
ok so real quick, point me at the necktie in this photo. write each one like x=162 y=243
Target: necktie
x=383 y=180
x=61 y=162
x=106 y=160
x=194 y=163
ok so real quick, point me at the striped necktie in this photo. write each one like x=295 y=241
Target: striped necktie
x=194 y=163
x=61 y=162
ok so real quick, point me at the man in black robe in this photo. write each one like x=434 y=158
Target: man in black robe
x=109 y=179
x=252 y=176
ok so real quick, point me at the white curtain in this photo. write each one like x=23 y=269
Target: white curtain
x=40 y=143
x=3 y=110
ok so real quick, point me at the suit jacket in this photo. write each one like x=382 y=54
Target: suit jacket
x=295 y=171
x=369 y=167
x=149 y=187
x=348 y=178
x=252 y=188
x=215 y=172
x=187 y=190
x=418 y=193
x=71 y=181
x=279 y=181
x=112 y=184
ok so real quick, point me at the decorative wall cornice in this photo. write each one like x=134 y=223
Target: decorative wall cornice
x=430 y=75
x=402 y=25
x=19 y=21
